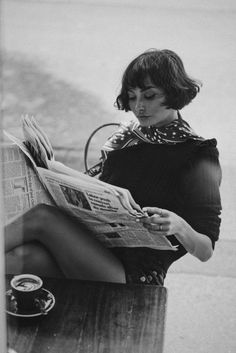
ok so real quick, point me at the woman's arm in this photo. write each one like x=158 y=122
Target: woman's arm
x=165 y=223
x=197 y=244
x=198 y=226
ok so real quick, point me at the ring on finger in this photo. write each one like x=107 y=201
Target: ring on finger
x=160 y=227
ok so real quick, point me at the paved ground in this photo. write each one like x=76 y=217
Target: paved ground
x=201 y=312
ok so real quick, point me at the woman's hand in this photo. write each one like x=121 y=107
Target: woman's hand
x=162 y=221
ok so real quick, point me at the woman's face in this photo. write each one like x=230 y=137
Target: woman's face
x=146 y=104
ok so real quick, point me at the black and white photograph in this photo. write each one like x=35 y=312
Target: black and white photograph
x=75 y=197
x=134 y=101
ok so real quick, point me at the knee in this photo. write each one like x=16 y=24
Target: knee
x=14 y=261
x=17 y=258
x=38 y=260
x=30 y=258
x=24 y=254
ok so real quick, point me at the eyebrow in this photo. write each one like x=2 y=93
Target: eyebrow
x=142 y=89
x=147 y=87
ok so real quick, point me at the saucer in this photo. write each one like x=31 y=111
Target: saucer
x=44 y=303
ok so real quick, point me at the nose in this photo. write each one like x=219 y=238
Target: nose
x=139 y=107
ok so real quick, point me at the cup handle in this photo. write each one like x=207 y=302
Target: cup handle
x=41 y=306
x=12 y=297
x=10 y=350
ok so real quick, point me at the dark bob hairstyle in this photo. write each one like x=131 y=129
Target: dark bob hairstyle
x=166 y=71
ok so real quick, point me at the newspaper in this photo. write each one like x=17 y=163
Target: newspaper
x=22 y=189
x=33 y=176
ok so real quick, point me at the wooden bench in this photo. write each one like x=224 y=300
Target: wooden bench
x=91 y=317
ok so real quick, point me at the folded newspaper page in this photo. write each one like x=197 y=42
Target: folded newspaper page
x=22 y=189
x=109 y=211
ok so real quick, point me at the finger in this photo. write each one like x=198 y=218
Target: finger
x=159 y=219
x=155 y=210
x=157 y=227
x=155 y=219
x=158 y=233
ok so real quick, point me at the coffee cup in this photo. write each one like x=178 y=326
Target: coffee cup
x=25 y=290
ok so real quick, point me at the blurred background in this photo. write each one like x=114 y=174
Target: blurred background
x=62 y=61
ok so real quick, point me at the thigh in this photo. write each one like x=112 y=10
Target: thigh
x=78 y=253
x=75 y=250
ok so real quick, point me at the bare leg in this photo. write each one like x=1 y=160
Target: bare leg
x=32 y=258
x=75 y=250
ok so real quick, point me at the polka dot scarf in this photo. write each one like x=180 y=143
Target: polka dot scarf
x=131 y=133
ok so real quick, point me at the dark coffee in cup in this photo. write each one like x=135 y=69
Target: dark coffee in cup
x=25 y=289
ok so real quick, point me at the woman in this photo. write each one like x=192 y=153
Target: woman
x=170 y=171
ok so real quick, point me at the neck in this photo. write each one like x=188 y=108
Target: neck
x=170 y=116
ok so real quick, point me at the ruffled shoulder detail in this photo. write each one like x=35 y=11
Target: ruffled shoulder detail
x=206 y=142
x=203 y=150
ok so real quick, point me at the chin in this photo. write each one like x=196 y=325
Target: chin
x=144 y=123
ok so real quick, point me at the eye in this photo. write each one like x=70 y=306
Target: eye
x=150 y=96
x=131 y=97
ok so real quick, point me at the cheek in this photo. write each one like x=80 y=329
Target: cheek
x=156 y=106
x=131 y=105
x=153 y=107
